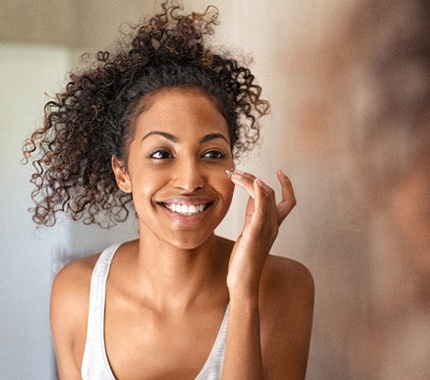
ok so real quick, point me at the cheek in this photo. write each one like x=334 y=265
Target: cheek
x=225 y=186
x=144 y=183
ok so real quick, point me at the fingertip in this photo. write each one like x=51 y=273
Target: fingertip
x=258 y=182
x=236 y=174
x=282 y=177
x=281 y=174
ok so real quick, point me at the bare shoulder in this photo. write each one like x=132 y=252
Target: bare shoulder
x=70 y=290
x=286 y=311
x=286 y=279
x=69 y=312
x=74 y=278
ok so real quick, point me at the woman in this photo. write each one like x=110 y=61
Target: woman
x=159 y=123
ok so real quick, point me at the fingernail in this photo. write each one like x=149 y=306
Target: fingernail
x=229 y=173
x=240 y=172
x=237 y=174
x=282 y=172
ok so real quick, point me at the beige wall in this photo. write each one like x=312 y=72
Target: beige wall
x=69 y=23
x=38 y=22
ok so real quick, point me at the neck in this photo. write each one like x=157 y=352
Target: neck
x=172 y=277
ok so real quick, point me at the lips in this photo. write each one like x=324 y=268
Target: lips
x=186 y=209
x=190 y=207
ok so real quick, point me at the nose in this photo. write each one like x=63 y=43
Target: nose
x=188 y=175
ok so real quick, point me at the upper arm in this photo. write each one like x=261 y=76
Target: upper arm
x=287 y=299
x=68 y=316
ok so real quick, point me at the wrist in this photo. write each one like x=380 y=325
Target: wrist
x=244 y=295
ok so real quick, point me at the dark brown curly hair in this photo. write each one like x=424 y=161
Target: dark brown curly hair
x=93 y=118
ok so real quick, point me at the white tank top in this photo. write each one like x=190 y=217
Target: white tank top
x=95 y=364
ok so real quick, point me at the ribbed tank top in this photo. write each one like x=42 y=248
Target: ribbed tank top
x=95 y=364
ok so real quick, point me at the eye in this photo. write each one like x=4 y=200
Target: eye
x=160 y=154
x=214 y=154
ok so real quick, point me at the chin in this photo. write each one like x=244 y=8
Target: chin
x=189 y=243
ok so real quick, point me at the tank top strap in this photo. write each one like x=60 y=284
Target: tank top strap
x=95 y=364
x=212 y=369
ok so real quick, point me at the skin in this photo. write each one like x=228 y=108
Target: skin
x=167 y=291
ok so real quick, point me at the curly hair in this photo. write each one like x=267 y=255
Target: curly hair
x=92 y=120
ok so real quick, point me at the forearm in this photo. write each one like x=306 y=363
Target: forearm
x=242 y=358
x=243 y=353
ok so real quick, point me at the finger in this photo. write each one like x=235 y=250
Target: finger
x=288 y=198
x=244 y=175
x=257 y=189
x=264 y=205
x=244 y=180
x=265 y=197
x=268 y=191
x=249 y=180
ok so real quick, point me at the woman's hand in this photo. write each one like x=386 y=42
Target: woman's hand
x=263 y=218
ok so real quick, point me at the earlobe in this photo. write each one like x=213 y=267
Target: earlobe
x=121 y=175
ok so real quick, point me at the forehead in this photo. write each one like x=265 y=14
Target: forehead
x=180 y=111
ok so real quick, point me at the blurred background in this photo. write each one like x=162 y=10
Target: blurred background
x=349 y=85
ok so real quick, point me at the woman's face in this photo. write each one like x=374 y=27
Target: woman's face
x=176 y=169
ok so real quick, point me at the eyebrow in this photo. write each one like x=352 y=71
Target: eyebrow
x=167 y=136
x=213 y=136
x=204 y=139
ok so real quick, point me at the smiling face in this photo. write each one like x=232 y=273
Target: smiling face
x=176 y=168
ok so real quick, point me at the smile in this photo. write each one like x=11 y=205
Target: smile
x=184 y=209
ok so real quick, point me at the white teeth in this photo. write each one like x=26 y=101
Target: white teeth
x=185 y=209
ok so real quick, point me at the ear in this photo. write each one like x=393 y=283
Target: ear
x=121 y=176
